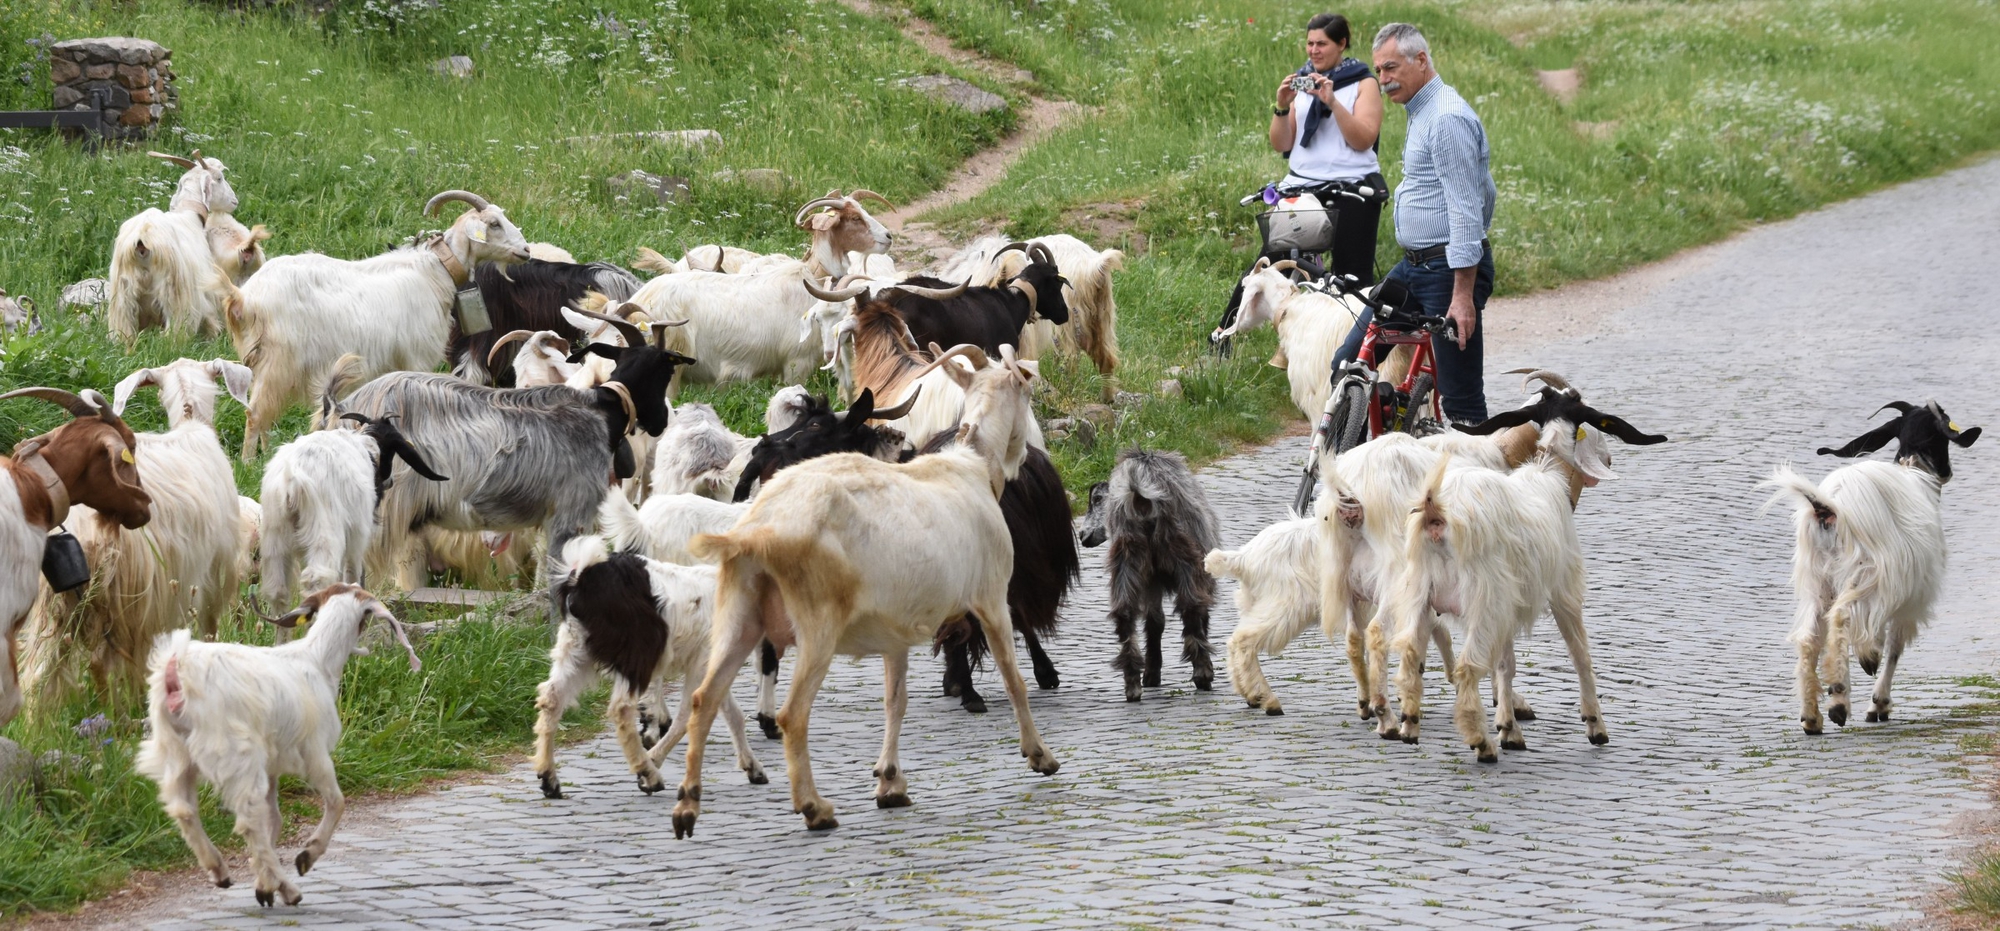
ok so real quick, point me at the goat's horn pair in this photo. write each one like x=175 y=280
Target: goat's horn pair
x=521 y=336
x=899 y=410
x=77 y=406
x=1547 y=377
x=1284 y=265
x=659 y=328
x=861 y=192
x=836 y=296
x=799 y=219
x=1038 y=252
x=179 y=160
x=935 y=294
x=475 y=201
x=1015 y=246
x=624 y=327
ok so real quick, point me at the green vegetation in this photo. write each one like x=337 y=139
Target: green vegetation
x=1694 y=120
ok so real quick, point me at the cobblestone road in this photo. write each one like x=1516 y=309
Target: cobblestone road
x=1709 y=809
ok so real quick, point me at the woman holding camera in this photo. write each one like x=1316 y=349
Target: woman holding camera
x=1326 y=123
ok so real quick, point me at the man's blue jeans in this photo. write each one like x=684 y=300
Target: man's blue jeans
x=1461 y=372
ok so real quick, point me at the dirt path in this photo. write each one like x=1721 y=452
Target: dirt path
x=919 y=241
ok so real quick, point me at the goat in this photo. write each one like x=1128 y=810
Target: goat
x=876 y=348
x=530 y=296
x=1491 y=550
x=698 y=454
x=822 y=560
x=238 y=717
x=709 y=257
x=87 y=461
x=543 y=358
x=938 y=312
x=18 y=312
x=321 y=491
x=249 y=536
x=818 y=430
x=1092 y=328
x=301 y=313
x=1311 y=325
x=1870 y=557
x=519 y=458
x=181 y=568
x=1160 y=526
x=645 y=622
x=179 y=268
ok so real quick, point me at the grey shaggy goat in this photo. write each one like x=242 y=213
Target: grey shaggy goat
x=1161 y=528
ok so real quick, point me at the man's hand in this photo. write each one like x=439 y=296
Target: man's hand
x=1285 y=93
x=1463 y=317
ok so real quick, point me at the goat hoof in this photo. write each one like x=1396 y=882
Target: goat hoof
x=1273 y=710
x=1043 y=762
x=1049 y=680
x=1488 y=756
x=1366 y=711
x=1838 y=714
x=265 y=899
x=650 y=786
x=1514 y=744
x=1524 y=714
x=1811 y=725
x=1152 y=679
x=819 y=816
x=1132 y=692
x=1871 y=663
x=1390 y=734
x=1204 y=684
x=973 y=703
x=757 y=778
x=551 y=788
x=291 y=897
x=770 y=726
x=683 y=824
x=893 y=800
x=1599 y=740
x=1410 y=739
x=304 y=861
x=224 y=883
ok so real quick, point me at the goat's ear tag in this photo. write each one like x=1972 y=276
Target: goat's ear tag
x=126 y=454
x=1579 y=434
x=479 y=234
x=1952 y=425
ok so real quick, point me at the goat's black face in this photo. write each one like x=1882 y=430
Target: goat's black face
x=1050 y=302
x=645 y=372
x=1568 y=406
x=1923 y=436
x=820 y=432
x=1092 y=533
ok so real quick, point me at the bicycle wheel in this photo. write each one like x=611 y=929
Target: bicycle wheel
x=1420 y=421
x=1350 y=418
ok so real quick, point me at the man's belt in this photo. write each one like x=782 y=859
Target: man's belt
x=1427 y=253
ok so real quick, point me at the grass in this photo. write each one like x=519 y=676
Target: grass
x=1707 y=117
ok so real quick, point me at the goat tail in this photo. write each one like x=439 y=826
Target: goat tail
x=347 y=373
x=651 y=261
x=1428 y=520
x=620 y=522
x=1223 y=564
x=1790 y=486
x=580 y=553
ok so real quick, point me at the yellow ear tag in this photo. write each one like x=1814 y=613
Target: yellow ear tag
x=479 y=234
x=1953 y=424
x=126 y=455
x=1579 y=434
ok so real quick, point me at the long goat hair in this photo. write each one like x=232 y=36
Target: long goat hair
x=1161 y=528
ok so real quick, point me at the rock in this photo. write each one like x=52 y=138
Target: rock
x=1071 y=428
x=1169 y=388
x=136 y=116
x=134 y=76
x=1128 y=399
x=17 y=768
x=457 y=66
x=66 y=97
x=1101 y=415
x=100 y=72
x=699 y=139
x=142 y=95
x=118 y=48
x=635 y=185
x=63 y=71
x=956 y=92
x=85 y=294
x=54 y=764
x=1174 y=371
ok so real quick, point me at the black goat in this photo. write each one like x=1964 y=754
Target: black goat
x=1161 y=528
x=1045 y=566
x=822 y=431
x=949 y=314
x=530 y=296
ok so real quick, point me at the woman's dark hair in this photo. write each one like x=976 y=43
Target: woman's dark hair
x=1334 y=25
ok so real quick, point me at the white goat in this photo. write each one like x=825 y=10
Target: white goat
x=1870 y=558
x=821 y=560
x=698 y=454
x=646 y=623
x=301 y=313
x=249 y=536
x=178 y=268
x=1311 y=326
x=1492 y=550
x=1093 y=310
x=238 y=717
x=178 y=569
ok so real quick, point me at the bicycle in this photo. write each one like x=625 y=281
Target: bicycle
x=1362 y=406
x=1304 y=233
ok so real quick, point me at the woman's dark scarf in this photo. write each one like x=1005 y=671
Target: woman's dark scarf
x=1347 y=72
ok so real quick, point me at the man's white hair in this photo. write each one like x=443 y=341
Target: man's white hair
x=1408 y=40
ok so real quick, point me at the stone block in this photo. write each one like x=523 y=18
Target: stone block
x=100 y=71
x=115 y=97
x=134 y=76
x=142 y=95
x=635 y=185
x=120 y=49
x=66 y=97
x=136 y=116
x=958 y=93
x=457 y=66
x=63 y=71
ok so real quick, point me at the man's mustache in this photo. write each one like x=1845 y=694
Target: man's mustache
x=1390 y=87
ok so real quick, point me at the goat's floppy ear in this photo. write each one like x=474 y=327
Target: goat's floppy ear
x=133 y=382
x=1616 y=426
x=1867 y=442
x=823 y=221
x=862 y=409
x=235 y=377
x=375 y=609
x=1965 y=438
x=1514 y=418
x=392 y=441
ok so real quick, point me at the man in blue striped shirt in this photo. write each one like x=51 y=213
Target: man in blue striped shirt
x=1444 y=205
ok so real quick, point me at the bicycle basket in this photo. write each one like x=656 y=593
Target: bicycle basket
x=1300 y=223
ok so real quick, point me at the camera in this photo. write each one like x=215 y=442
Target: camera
x=1303 y=83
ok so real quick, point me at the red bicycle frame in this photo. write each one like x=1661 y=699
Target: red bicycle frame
x=1422 y=363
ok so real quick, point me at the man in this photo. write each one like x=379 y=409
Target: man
x=1444 y=205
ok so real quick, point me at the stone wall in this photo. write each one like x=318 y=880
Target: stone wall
x=131 y=78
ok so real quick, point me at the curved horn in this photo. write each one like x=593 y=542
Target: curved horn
x=77 y=407
x=361 y=419
x=517 y=336
x=861 y=192
x=1038 y=252
x=1547 y=377
x=629 y=309
x=1283 y=265
x=800 y=217
x=935 y=294
x=176 y=159
x=1900 y=407
x=969 y=351
x=475 y=201
x=899 y=410
x=834 y=297
x=624 y=327
x=1263 y=262
x=1015 y=246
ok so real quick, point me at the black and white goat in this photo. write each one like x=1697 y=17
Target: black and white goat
x=642 y=621
x=530 y=296
x=1871 y=555
x=1161 y=528
x=948 y=314
x=519 y=458
x=1491 y=550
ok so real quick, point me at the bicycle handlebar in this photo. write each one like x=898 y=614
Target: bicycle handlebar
x=1359 y=193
